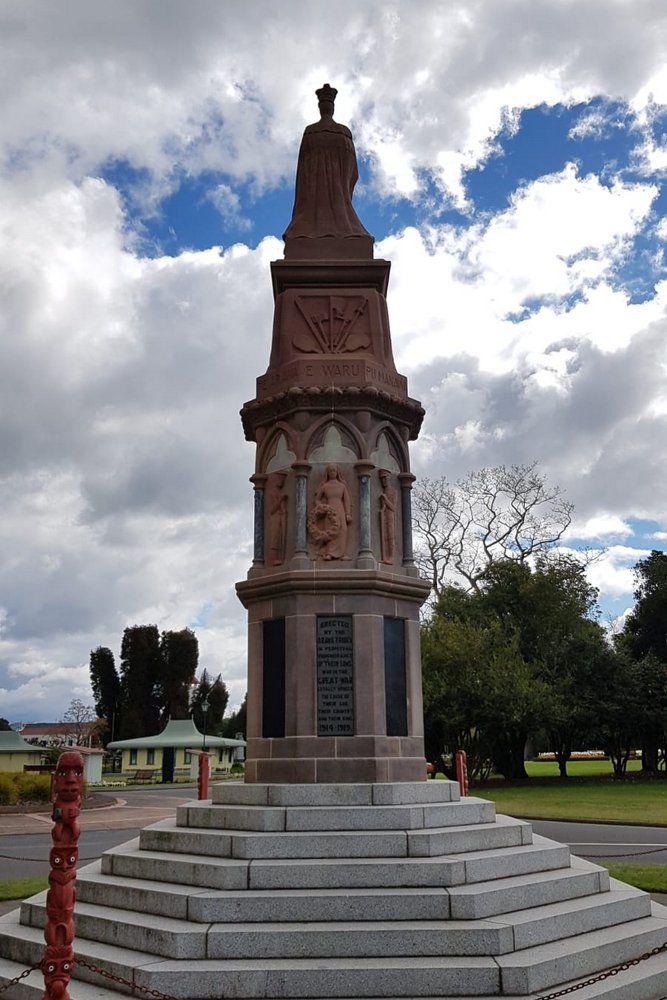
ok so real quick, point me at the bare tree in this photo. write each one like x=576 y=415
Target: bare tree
x=506 y=512
x=78 y=717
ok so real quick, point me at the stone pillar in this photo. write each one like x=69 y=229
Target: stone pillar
x=406 y=480
x=301 y=558
x=258 y=481
x=365 y=558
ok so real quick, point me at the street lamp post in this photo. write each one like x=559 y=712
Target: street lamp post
x=202 y=783
x=205 y=705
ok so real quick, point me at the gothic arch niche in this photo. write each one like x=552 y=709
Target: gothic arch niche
x=277 y=455
x=335 y=443
x=333 y=505
x=388 y=453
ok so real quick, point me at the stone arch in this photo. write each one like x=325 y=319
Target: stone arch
x=276 y=453
x=334 y=441
x=389 y=452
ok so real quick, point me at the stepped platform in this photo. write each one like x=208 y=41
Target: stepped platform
x=360 y=891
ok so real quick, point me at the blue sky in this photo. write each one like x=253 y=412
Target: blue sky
x=512 y=167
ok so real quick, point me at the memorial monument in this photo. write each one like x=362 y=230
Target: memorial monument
x=336 y=870
x=333 y=596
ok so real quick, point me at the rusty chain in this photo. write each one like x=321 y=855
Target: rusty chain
x=124 y=982
x=135 y=988
x=607 y=974
x=17 y=979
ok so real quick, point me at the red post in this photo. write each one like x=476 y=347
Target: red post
x=202 y=778
x=462 y=771
x=59 y=929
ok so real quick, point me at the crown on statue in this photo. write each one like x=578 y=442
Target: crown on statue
x=326 y=93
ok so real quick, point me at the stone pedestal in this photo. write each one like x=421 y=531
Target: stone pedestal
x=333 y=595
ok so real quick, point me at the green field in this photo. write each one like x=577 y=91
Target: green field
x=612 y=802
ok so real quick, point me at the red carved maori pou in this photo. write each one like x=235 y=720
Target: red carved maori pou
x=59 y=928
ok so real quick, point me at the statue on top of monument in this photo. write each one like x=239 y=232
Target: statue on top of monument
x=324 y=224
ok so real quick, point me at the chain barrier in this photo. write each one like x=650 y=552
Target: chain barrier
x=45 y=861
x=145 y=991
x=123 y=982
x=607 y=974
x=17 y=979
x=615 y=857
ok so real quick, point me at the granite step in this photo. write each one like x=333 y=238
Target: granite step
x=167 y=835
x=317 y=796
x=329 y=818
x=285 y=905
x=183 y=869
x=545 y=966
x=181 y=938
x=504 y=895
x=417 y=978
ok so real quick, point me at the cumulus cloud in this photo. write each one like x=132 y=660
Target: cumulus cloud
x=123 y=471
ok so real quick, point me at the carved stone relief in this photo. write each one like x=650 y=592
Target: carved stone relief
x=387 y=511
x=332 y=324
x=330 y=516
x=276 y=518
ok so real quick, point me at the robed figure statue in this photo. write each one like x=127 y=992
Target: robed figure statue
x=324 y=223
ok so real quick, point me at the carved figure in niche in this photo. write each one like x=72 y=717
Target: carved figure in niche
x=330 y=516
x=326 y=174
x=276 y=509
x=387 y=518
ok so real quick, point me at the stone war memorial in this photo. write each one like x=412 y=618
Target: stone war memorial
x=335 y=869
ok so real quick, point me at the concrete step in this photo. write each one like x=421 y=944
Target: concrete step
x=504 y=895
x=166 y=835
x=548 y=965
x=328 y=818
x=316 y=796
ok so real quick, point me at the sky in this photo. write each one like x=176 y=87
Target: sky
x=512 y=165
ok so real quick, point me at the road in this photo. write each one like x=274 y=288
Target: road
x=25 y=840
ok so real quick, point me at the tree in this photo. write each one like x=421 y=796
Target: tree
x=106 y=686
x=505 y=512
x=509 y=659
x=142 y=694
x=645 y=628
x=217 y=696
x=480 y=694
x=235 y=722
x=78 y=717
x=179 y=654
x=4 y=726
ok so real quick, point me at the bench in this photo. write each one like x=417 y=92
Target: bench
x=151 y=774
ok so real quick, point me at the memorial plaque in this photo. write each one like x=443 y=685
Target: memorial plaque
x=335 y=676
x=395 y=687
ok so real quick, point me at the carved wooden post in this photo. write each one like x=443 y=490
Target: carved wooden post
x=202 y=779
x=59 y=928
x=462 y=771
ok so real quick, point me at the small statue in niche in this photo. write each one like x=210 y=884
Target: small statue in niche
x=276 y=509
x=330 y=516
x=387 y=518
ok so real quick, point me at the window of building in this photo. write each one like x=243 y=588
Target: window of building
x=187 y=757
x=150 y=756
x=133 y=756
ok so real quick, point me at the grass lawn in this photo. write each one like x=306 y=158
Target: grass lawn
x=615 y=802
x=650 y=878
x=20 y=888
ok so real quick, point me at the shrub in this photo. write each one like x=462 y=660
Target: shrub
x=9 y=793
x=33 y=787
